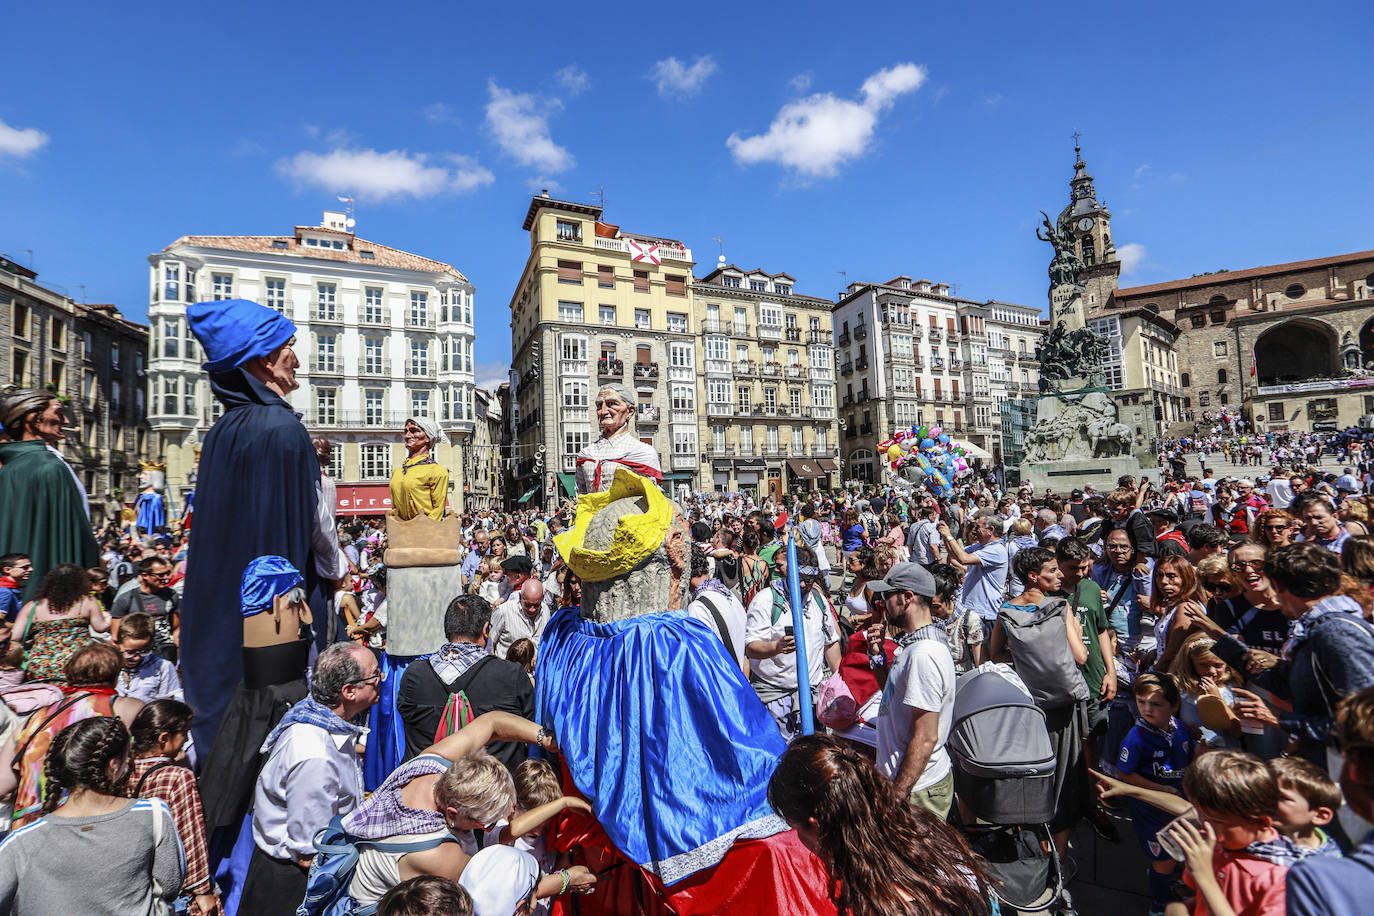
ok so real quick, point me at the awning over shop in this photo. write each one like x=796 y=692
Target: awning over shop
x=362 y=499
x=973 y=451
x=722 y=464
x=750 y=464
x=827 y=465
x=805 y=468
x=528 y=496
x=569 y=482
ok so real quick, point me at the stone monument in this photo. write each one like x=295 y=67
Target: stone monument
x=1078 y=437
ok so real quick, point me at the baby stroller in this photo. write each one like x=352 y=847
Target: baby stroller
x=1004 y=780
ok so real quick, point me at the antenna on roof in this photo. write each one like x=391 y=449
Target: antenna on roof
x=599 y=195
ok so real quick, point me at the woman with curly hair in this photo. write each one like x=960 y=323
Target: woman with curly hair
x=59 y=620
x=884 y=857
x=94 y=850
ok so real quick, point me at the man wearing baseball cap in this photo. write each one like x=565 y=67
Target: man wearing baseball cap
x=918 y=695
x=1169 y=541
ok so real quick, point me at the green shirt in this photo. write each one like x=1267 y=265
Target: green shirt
x=1087 y=607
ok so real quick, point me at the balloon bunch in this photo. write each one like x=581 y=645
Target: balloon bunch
x=926 y=455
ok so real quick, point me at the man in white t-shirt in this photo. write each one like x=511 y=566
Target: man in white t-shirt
x=718 y=607
x=918 y=696
x=771 y=645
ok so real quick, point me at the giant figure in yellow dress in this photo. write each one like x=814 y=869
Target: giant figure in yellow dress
x=420 y=484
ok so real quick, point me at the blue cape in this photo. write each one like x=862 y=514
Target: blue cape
x=255 y=496
x=662 y=733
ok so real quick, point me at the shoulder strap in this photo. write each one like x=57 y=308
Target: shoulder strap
x=1125 y=582
x=61 y=708
x=138 y=789
x=720 y=623
x=463 y=680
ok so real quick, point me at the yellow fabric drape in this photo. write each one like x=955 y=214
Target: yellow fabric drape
x=419 y=488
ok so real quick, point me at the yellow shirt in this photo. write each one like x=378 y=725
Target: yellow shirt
x=419 y=485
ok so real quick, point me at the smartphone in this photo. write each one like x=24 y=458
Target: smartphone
x=787 y=632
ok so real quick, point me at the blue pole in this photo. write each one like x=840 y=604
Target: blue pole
x=805 y=702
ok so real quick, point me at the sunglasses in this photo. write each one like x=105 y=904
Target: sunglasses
x=375 y=677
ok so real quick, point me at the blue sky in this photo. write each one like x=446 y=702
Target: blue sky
x=919 y=139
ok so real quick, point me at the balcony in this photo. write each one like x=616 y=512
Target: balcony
x=420 y=320
x=649 y=249
x=719 y=410
x=420 y=371
x=684 y=462
x=718 y=367
x=842 y=340
x=375 y=367
x=744 y=368
x=937 y=362
x=739 y=329
x=325 y=367
x=861 y=363
x=721 y=450
x=355 y=419
x=919 y=361
x=818 y=337
x=610 y=367
x=797 y=370
x=680 y=415
x=647 y=415
x=770 y=332
x=848 y=400
x=571 y=367
x=935 y=334
x=681 y=374
x=328 y=313
x=821 y=413
x=861 y=332
x=771 y=369
x=374 y=318
x=715 y=326
x=118 y=459
x=774 y=451
x=851 y=433
x=956 y=364
x=646 y=372
x=917 y=332
x=865 y=429
x=793 y=334
x=846 y=369
x=576 y=414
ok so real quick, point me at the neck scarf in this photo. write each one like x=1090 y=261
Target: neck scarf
x=69 y=690
x=711 y=585
x=454 y=658
x=312 y=712
x=1280 y=851
x=1166 y=733
x=929 y=631
x=409 y=463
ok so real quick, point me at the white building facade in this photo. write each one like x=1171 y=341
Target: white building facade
x=382 y=335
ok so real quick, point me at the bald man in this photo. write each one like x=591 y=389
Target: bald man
x=522 y=616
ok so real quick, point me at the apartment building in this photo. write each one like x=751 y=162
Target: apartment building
x=769 y=425
x=596 y=304
x=382 y=335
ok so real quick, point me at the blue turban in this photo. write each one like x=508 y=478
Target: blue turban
x=265 y=579
x=233 y=331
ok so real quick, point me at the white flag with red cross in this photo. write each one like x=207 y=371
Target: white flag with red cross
x=644 y=251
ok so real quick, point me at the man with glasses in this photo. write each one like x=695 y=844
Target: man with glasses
x=311 y=775
x=15 y=569
x=918 y=694
x=154 y=598
x=476 y=554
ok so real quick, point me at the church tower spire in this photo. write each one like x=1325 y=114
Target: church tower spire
x=1088 y=222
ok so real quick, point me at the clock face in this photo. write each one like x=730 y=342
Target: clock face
x=1085 y=224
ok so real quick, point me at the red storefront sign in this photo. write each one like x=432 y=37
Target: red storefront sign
x=363 y=499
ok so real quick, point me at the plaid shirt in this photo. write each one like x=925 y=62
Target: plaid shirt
x=176 y=786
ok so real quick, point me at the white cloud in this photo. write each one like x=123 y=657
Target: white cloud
x=814 y=136
x=1141 y=170
x=1132 y=256
x=491 y=375
x=522 y=131
x=993 y=99
x=373 y=175
x=801 y=82
x=672 y=77
x=573 y=79
x=440 y=113
x=21 y=142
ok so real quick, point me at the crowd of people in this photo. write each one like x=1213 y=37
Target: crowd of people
x=1201 y=654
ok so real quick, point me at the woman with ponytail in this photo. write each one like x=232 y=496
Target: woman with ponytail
x=884 y=856
x=93 y=850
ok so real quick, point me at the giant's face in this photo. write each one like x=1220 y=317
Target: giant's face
x=48 y=424
x=612 y=412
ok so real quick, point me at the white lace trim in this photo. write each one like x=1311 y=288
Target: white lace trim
x=708 y=855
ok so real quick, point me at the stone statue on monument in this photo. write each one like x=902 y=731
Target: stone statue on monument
x=1066 y=265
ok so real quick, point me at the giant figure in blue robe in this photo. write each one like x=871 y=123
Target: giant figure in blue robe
x=256 y=494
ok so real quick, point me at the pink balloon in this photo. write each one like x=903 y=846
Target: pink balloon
x=935 y=432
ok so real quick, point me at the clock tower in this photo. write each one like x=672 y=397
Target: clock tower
x=1088 y=223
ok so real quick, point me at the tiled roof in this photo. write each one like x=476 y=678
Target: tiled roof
x=1230 y=276
x=383 y=256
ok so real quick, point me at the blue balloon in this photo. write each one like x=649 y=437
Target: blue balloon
x=944 y=437
x=927 y=443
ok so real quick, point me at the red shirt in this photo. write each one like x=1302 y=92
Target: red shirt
x=1253 y=886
